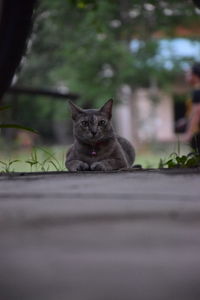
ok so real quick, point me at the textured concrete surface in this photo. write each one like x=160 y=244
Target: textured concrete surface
x=94 y=236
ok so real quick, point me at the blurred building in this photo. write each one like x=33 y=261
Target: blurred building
x=148 y=116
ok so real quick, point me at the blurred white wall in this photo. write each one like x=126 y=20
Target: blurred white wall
x=155 y=120
x=123 y=121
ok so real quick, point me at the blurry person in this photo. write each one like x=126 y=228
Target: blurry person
x=192 y=120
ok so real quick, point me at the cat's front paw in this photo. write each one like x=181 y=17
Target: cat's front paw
x=78 y=166
x=98 y=166
x=83 y=167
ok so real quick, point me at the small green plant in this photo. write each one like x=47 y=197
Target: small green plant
x=33 y=160
x=6 y=166
x=44 y=165
x=40 y=160
x=175 y=160
x=51 y=159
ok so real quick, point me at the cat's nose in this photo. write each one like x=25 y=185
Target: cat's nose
x=93 y=132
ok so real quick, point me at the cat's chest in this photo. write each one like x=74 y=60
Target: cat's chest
x=92 y=154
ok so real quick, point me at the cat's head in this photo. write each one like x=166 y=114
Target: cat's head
x=92 y=125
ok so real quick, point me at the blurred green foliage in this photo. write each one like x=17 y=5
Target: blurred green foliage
x=85 y=46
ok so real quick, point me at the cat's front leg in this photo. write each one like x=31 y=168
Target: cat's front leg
x=98 y=166
x=77 y=165
x=107 y=165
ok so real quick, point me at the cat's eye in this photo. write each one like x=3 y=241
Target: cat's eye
x=84 y=123
x=102 y=123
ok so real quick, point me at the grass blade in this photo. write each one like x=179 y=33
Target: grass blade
x=5 y=107
x=16 y=126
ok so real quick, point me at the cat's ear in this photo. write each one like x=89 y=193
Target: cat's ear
x=75 y=110
x=107 y=108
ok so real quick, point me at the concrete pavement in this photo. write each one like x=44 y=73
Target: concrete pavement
x=93 y=236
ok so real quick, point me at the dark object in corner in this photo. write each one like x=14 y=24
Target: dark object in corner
x=197 y=3
x=16 y=19
x=195 y=142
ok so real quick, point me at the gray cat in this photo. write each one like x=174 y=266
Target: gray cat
x=96 y=146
